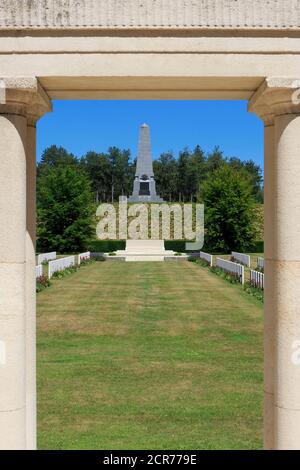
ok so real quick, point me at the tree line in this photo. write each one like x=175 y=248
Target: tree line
x=68 y=187
x=177 y=179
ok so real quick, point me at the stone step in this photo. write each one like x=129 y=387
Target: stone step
x=144 y=258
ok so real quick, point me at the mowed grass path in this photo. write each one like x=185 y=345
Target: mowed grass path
x=148 y=356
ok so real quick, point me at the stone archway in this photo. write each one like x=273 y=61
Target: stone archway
x=140 y=49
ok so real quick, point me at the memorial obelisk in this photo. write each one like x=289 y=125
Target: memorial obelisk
x=144 y=188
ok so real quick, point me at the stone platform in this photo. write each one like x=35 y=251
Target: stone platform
x=145 y=250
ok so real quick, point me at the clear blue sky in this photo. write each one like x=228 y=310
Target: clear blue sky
x=80 y=126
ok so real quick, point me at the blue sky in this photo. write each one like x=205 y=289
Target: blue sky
x=80 y=126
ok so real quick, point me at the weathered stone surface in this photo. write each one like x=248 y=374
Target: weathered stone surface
x=145 y=250
x=206 y=14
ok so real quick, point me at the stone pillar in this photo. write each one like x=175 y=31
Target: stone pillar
x=17 y=98
x=269 y=323
x=286 y=269
x=275 y=103
x=12 y=279
x=31 y=423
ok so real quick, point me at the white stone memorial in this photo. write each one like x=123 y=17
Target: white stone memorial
x=145 y=250
x=144 y=187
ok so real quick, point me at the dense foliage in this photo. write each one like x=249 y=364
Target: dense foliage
x=65 y=209
x=67 y=187
x=229 y=210
x=177 y=178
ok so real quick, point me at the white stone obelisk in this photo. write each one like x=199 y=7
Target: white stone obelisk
x=144 y=187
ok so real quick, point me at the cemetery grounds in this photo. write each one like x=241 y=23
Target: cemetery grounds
x=149 y=355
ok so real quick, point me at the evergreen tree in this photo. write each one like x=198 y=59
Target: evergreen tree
x=121 y=182
x=98 y=168
x=195 y=173
x=166 y=176
x=214 y=160
x=53 y=157
x=183 y=176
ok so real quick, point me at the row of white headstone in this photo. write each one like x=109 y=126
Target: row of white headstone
x=41 y=259
x=261 y=263
x=231 y=267
x=241 y=258
x=257 y=279
x=60 y=264
x=238 y=268
x=38 y=271
x=207 y=257
x=45 y=257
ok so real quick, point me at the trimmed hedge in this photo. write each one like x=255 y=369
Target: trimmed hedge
x=179 y=246
x=109 y=246
x=106 y=246
x=257 y=247
x=176 y=245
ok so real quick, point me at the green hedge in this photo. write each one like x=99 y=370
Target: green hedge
x=106 y=246
x=256 y=247
x=179 y=246
x=176 y=245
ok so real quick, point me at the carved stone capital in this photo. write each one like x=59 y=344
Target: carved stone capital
x=23 y=96
x=276 y=97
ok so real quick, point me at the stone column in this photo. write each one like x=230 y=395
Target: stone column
x=274 y=103
x=31 y=423
x=12 y=278
x=16 y=299
x=269 y=323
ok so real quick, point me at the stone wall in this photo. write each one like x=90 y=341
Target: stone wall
x=122 y=14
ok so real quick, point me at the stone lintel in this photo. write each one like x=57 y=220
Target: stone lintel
x=25 y=96
x=145 y=14
x=276 y=96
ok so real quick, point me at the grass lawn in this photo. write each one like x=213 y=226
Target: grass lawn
x=148 y=356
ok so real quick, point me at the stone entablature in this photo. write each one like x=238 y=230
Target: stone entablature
x=156 y=14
